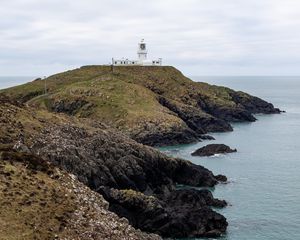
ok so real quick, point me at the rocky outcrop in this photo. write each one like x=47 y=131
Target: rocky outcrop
x=181 y=213
x=243 y=108
x=37 y=195
x=110 y=164
x=221 y=178
x=212 y=149
x=253 y=104
x=68 y=107
x=195 y=118
x=166 y=137
x=105 y=158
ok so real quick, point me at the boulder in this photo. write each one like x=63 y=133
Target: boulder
x=221 y=178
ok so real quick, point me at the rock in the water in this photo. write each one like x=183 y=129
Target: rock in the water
x=221 y=178
x=212 y=149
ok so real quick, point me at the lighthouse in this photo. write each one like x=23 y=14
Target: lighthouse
x=142 y=58
x=142 y=51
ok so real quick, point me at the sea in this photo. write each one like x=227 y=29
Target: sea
x=10 y=81
x=264 y=175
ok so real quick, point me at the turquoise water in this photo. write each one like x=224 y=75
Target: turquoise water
x=264 y=188
x=6 y=82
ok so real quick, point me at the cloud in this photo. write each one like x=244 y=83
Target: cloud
x=200 y=37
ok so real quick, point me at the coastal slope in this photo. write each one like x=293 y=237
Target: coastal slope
x=40 y=201
x=152 y=105
x=138 y=181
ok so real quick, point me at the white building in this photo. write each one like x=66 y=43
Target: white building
x=142 y=58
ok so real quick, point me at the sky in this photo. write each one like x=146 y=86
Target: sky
x=199 y=37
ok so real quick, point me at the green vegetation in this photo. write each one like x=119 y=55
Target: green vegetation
x=127 y=98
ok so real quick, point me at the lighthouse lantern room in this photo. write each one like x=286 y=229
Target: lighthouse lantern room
x=142 y=58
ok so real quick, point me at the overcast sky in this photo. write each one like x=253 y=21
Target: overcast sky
x=200 y=37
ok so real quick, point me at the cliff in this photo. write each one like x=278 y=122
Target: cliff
x=152 y=105
x=138 y=181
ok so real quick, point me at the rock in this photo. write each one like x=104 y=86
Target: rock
x=21 y=147
x=213 y=234
x=207 y=137
x=195 y=118
x=106 y=158
x=111 y=164
x=69 y=107
x=168 y=137
x=181 y=213
x=193 y=198
x=212 y=149
x=253 y=104
x=221 y=178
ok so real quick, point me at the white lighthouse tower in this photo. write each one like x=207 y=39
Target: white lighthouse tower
x=142 y=51
x=142 y=58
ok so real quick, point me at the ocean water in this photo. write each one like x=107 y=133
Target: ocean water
x=264 y=175
x=6 y=82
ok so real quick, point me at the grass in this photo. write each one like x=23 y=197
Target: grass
x=167 y=80
x=126 y=98
x=33 y=205
x=113 y=101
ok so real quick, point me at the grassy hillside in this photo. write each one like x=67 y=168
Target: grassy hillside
x=154 y=105
x=167 y=81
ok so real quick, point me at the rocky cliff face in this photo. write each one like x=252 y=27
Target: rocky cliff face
x=153 y=105
x=111 y=164
x=106 y=158
x=138 y=181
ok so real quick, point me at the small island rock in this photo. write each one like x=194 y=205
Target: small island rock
x=212 y=149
